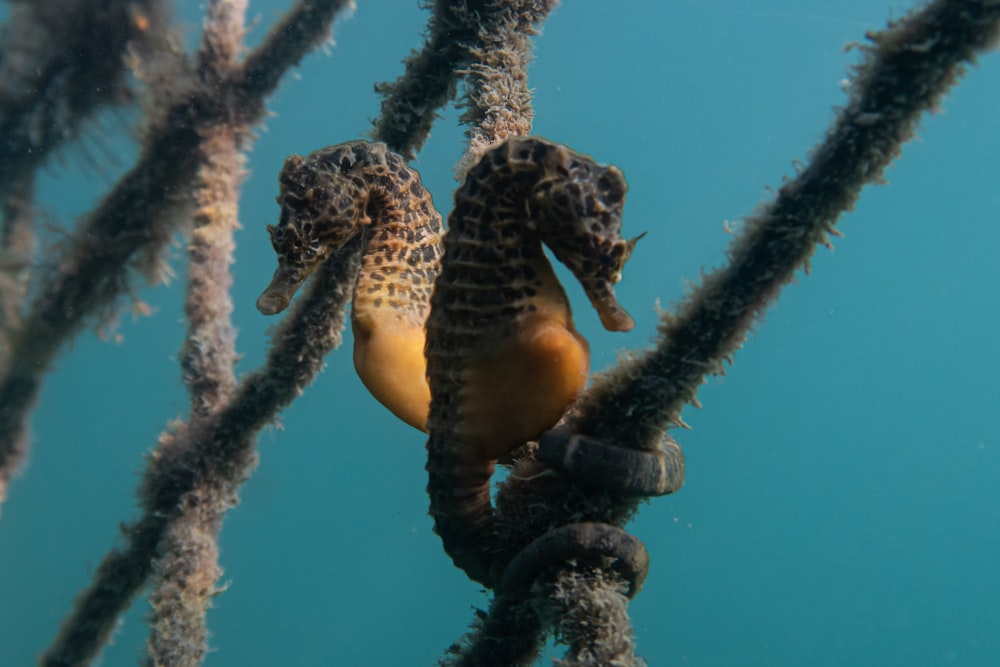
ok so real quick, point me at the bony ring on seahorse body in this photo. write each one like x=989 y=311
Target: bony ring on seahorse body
x=327 y=198
x=504 y=357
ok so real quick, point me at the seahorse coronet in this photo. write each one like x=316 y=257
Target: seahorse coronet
x=328 y=197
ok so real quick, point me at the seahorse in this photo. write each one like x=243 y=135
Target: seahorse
x=504 y=358
x=361 y=187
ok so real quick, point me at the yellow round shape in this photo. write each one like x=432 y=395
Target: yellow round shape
x=522 y=390
x=389 y=359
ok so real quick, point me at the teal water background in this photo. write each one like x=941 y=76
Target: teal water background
x=841 y=504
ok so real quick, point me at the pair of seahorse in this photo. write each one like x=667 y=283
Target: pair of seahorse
x=502 y=314
x=503 y=357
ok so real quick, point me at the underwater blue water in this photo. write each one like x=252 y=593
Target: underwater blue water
x=841 y=504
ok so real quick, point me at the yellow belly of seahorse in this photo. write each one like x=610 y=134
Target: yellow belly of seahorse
x=389 y=359
x=518 y=388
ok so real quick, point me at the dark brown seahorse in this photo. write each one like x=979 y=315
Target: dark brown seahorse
x=361 y=187
x=504 y=358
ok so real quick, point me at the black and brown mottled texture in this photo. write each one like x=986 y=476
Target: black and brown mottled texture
x=905 y=72
x=363 y=188
x=504 y=358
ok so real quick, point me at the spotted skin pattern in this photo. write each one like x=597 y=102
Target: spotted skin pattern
x=504 y=358
x=328 y=197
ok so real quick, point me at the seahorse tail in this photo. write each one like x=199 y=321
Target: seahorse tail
x=459 y=489
x=595 y=463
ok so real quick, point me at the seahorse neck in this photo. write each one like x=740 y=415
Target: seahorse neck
x=403 y=253
x=498 y=267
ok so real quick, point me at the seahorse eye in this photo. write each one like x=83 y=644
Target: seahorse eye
x=611 y=186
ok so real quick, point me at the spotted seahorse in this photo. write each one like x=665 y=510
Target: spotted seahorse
x=504 y=358
x=361 y=187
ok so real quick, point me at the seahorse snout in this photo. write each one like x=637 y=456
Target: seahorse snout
x=613 y=316
x=279 y=293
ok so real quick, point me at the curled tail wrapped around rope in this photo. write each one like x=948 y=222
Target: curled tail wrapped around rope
x=504 y=359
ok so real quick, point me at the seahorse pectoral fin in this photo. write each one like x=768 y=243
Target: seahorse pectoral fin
x=286 y=281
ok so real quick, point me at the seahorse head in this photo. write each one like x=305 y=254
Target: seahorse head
x=323 y=199
x=578 y=204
